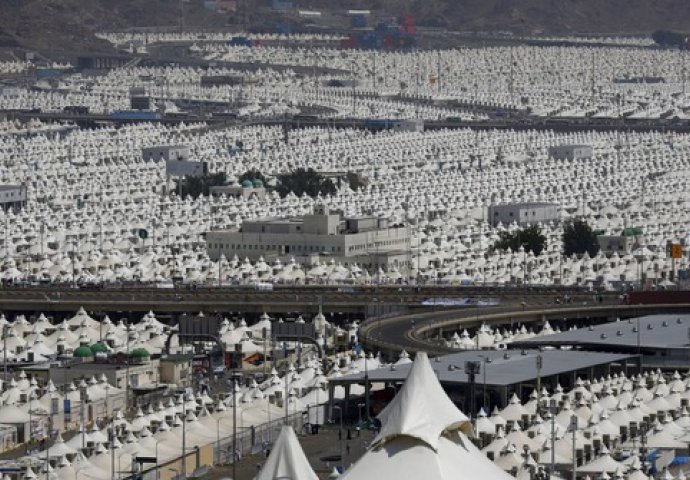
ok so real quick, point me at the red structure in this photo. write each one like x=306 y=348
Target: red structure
x=671 y=297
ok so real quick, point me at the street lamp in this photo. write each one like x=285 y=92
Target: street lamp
x=158 y=473
x=235 y=390
x=184 y=435
x=485 y=360
x=119 y=458
x=5 y=332
x=553 y=408
x=218 y=420
x=472 y=369
x=76 y=472
x=340 y=411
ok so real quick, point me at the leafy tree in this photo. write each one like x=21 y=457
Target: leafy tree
x=195 y=186
x=530 y=237
x=356 y=181
x=303 y=181
x=578 y=238
x=667 y=38
x=251 y=175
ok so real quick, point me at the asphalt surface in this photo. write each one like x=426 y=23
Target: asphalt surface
x=376 y=300
x=321 y=450
x=417 y=332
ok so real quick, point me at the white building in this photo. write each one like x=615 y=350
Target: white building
x=368 y=241
x=247 y=189
x=166 y=152
x=571 y=152
x=12 y=196
x=185 y=168
x=523 y=213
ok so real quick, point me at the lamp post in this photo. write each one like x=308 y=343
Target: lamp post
x=50 y=431
x=127 y=370
x=5 y=332
x=82 y=400
x=218 y=440
x=472 y=369
x=485 y=360
x=235 y=388
x=158 y=472
x=539 y=364
x=553 y=408
x=184 y=436
x=340 y=411
x=119 y=457
x=28 y=439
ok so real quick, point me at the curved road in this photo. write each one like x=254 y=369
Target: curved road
x=418 y=332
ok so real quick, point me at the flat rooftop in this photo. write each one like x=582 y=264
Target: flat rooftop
x=656 y=331
x=505 y=368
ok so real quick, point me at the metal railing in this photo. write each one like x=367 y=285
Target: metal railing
x=250 y=439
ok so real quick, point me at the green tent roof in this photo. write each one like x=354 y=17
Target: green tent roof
x=99 y=348
x=82 y=352
x=632 y=232
x=140 y=353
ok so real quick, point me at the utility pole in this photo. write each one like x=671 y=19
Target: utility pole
x=540 y=364
x=127 y=371
x=471 y=370
x=234 y=424
x=184 y=438
x=438 y=72
x=573 y=427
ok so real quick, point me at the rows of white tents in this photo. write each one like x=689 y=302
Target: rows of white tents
x=634 y=186
x=423 y=435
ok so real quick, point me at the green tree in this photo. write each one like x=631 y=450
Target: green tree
x=303 y=181
x=251 y=175
x=666 y=38
x=356 y=180
x=578 y=238
x=530 y=237
x=195 y=186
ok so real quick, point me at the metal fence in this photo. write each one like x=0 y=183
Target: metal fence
x=250 y=440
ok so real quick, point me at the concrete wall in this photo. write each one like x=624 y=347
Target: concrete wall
x=571 y=152
x=523 y=214
x=165 y=152
x=339 y=247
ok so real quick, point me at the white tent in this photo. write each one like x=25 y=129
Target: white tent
x=287 y=460
x=423 y=435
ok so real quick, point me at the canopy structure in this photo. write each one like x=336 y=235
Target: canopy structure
x=423 y=435
x=287 y=460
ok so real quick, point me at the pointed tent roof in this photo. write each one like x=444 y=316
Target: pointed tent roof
x=287 y=459
x=421 y=409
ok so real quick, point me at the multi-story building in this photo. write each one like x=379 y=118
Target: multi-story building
x=571 y=152
x=323 y=235
x=523 y=213
x=166 y=152
x=247 y=189
x=12 y=197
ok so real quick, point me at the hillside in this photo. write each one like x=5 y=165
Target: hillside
x=60 y=26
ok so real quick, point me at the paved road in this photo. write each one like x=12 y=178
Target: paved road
x=519 y=123
x=369 y=301
x=418 y=332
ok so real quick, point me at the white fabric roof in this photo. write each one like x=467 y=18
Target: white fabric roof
x=421 y=409
x=287 y=460
x=423 y=436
